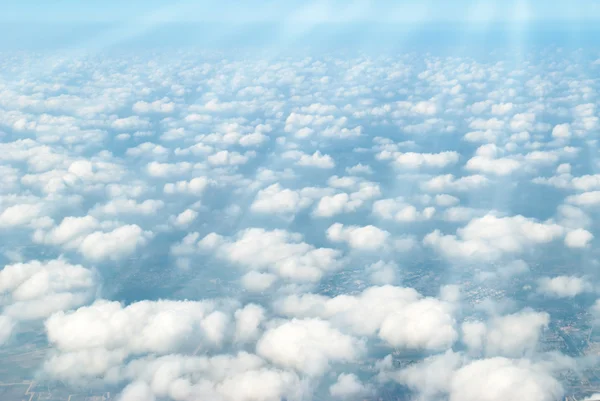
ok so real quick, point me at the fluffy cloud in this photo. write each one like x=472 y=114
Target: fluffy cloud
x=399 y=316
x=109 y=332
x=348 y=386
x=185 y=218
x=368 y=238
x=239 y=377
x=248 y=321
x=413 y=160
x=397 y=209
x=113 y=245
x=511 y=335
x=308 y=345
x=449 y=183
x=278 y=251
x=275 y=199
x=500 y=378
x=316 y=159
x=490 y=237
x=563 y=286
x=35 y=289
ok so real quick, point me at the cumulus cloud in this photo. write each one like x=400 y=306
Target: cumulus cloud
x=280 y=252
x=368 y=238
x=413 y=160
x=511 y=335
x=275 y=199
x=500 y=378
x=109 y=332
x=35 y=289
x=490 y=237
x=400 y=316
x=399 y=210
x=238 y=377
x=449 y=183
x=348 y=386
x=308 y=345
x=563 y=286
x=302 y=188
x=317 y=159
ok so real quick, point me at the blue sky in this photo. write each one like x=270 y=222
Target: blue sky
x=312 y=11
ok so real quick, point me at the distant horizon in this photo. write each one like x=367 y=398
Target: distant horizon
x=354 y=35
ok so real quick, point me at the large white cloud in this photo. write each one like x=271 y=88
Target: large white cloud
x=512 y=335
x=308 y=345
x=280 y=252
x=238 y=377
x=368 y=238
x=563 y=286
x=400 y=316
x=490 y=237
x=35 y=289
x=500 y=378
x=157 y=327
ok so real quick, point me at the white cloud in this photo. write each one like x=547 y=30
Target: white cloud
x=449 y=183
x=195 y=186
x=247 y=322
x=578 y=238
x=431 y=377
x=132 y=123
x=308 y=345
x=368 y=238
x=497 y=379
x=228 y=158
x=331 y=205
x=128 y=206
x=113 y=245
x=348 y=386
x=239 y=377
x=486 y=161
x=137 y=391
x=359 y=169
x=20 y=215
x=399 y=316
x=502 y=108
x=35 y=289
x=158 y=106
x=511 y=335
x=399 y=210
x=275 y=199
x=563 y=286
x=317 y=159
x=185 y=218
x=490 y=237
x=257 y=282
x=147 y=149
x=586 y=199
x=413 y=160
x=381 y=273
x=280 y=252
x=561 y=131
x=157 y=327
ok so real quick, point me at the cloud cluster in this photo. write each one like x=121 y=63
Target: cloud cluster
x=305 y=221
